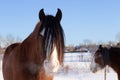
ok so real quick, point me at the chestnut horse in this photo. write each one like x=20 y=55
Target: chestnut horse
x=39 y=56
x=106 y=56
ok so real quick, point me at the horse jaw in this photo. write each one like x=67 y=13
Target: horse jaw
x=94 y=67
x=51 y=65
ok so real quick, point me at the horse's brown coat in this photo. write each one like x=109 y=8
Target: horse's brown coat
x=24 y=61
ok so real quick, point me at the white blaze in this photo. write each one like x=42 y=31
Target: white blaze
x=94 y=67
x=51 y=65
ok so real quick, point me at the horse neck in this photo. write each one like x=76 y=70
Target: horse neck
x=115 y=59
x=32 y=48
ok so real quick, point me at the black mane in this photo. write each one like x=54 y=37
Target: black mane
x=53 y=34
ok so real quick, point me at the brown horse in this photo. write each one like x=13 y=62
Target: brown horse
x=39 y=56
x=106 y=56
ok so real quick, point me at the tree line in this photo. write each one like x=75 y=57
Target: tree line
x=8 y=40
x=87 y=44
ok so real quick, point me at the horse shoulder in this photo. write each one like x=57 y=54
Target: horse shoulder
x=10 y=48
x=6 y=57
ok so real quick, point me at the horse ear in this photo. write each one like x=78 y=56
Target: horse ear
x=100 y=46
x=59 y=15
x=41 y=15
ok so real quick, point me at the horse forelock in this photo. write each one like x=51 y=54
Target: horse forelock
x=52 y=34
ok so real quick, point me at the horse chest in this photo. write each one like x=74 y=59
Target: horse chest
x=31 y=68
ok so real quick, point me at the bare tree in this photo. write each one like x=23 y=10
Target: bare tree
x=1 y=40
x=10 y=40
x=18 y=39
x=118 y=37
x=87 y=41
x=1 y=43
x=70 y=47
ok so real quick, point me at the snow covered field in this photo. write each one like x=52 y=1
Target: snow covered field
x=82 y=73
x=86 y=76
x=1 y=77
x=77 y=71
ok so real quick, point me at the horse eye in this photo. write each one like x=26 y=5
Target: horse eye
x=42 y=33
x=99 y=55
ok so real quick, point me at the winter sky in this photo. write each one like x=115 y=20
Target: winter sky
x=95 y=20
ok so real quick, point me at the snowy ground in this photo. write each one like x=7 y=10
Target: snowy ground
x=85 y=76
x=1 y=77
x=78 y=71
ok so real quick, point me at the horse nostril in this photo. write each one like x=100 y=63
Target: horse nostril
x=92 y=70
x=46 y=62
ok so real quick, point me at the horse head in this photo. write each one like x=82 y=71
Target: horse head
x=100 y=59
x=53 y=38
